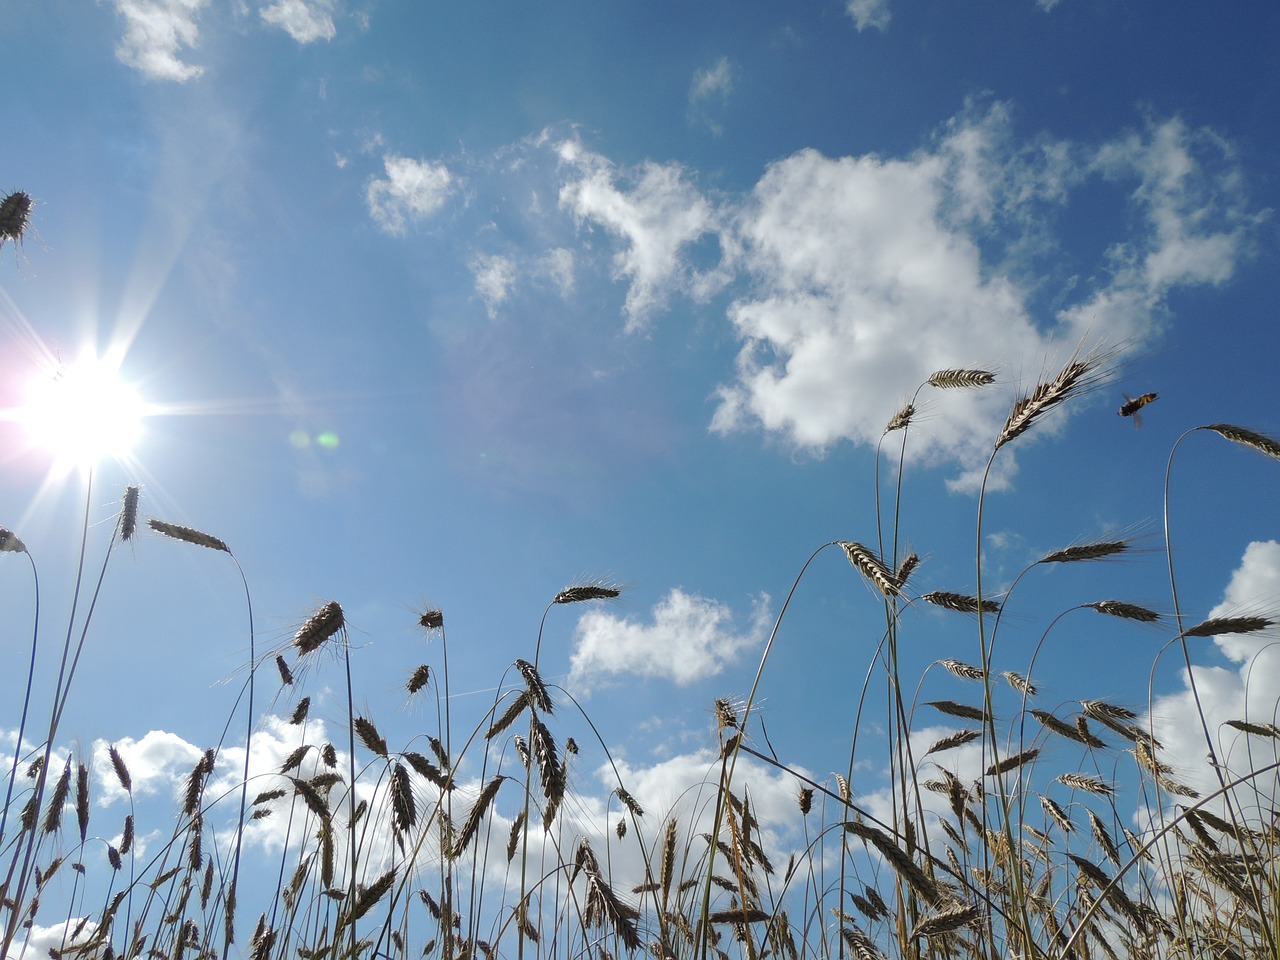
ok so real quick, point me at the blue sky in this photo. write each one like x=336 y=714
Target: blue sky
x=455 y=305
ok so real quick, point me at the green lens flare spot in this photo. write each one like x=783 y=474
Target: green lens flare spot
x=327 y=440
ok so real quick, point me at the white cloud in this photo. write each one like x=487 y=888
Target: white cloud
x=869 y=273
x=657 y=212
x=869 y=278
x=715 y=81
x=710 y=88
x=690 y=638
x=1248 y=690
x=869 y=13
x=155 y=31
x=495 y=276
x=159 y=761
x=411 y=190
x=304 y=20
x=558 y=267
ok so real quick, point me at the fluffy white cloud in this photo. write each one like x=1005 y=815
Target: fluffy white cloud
x=159 y=761
x=411 y=190
x=869 y=273
x=495 y=276
x=1248 y=690
x=155 y=32
x=655 y=210
x=304 y=20
x=869 y=13
x=690 y=638
x=870 y=278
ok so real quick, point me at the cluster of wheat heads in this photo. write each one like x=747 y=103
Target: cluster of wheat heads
x=1029 y=829
x=1026 y=830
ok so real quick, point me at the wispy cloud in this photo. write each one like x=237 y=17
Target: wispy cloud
x=655 y=209
x=411 y=190
x=304 y=20
x=495 y=276
x=155 y=32
x=869 y=13
x=709 y=90
x=689 y=638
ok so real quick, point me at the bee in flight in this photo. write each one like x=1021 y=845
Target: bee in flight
x=1132 y=405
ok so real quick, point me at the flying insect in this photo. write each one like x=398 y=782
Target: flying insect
x=1132 y=405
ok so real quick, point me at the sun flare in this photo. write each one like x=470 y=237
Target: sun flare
x=82 y=412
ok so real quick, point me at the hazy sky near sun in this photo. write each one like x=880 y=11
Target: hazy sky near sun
x=453 y=305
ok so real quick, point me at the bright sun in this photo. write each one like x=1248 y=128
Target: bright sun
x=82 y=412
